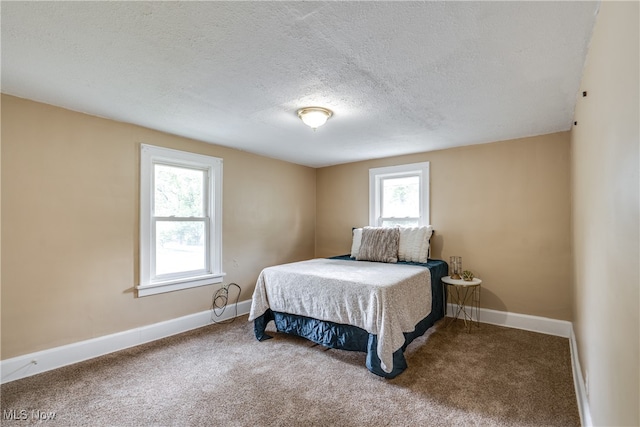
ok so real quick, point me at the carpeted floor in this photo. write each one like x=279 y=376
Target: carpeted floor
x=220 y=375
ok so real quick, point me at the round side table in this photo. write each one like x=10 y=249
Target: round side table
x=461 y=292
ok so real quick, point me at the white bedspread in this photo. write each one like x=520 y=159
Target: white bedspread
x=383 y=299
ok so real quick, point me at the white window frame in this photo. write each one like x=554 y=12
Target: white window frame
x=377 y=175
x=212 y=166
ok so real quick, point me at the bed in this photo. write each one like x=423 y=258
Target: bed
x=356 y=303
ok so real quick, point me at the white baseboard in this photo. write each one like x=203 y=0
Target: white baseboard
x=578 y=382
x=46 y=360
x=543 y=325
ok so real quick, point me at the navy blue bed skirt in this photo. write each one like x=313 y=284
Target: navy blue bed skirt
x=353 y=338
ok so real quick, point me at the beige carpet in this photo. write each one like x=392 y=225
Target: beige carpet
x=221 y=376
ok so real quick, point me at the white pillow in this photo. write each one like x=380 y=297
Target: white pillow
x=414 y=243
x=355 y=244
x=406 y=237
x=425 y=249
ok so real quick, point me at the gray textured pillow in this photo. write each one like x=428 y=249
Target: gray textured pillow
x=379 y=244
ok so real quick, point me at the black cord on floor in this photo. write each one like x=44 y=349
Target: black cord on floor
x=219 y=303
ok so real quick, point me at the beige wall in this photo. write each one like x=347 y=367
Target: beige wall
x=504 y=207
x=70 y=225
x=606 y=212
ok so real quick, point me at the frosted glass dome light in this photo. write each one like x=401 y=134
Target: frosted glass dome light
x=314 y=117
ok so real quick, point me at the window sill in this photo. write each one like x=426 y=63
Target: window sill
x=176 y=285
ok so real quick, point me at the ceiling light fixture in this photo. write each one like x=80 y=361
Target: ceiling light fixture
x=314 y=117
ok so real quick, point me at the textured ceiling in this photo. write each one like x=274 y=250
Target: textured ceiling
x=401 y=77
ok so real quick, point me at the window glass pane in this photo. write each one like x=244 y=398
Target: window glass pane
x=179 y=246
x=178 y=191
x=412 y=222
x=401 y=197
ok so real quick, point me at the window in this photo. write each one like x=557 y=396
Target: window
x=399 y=195
x=180 y=220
